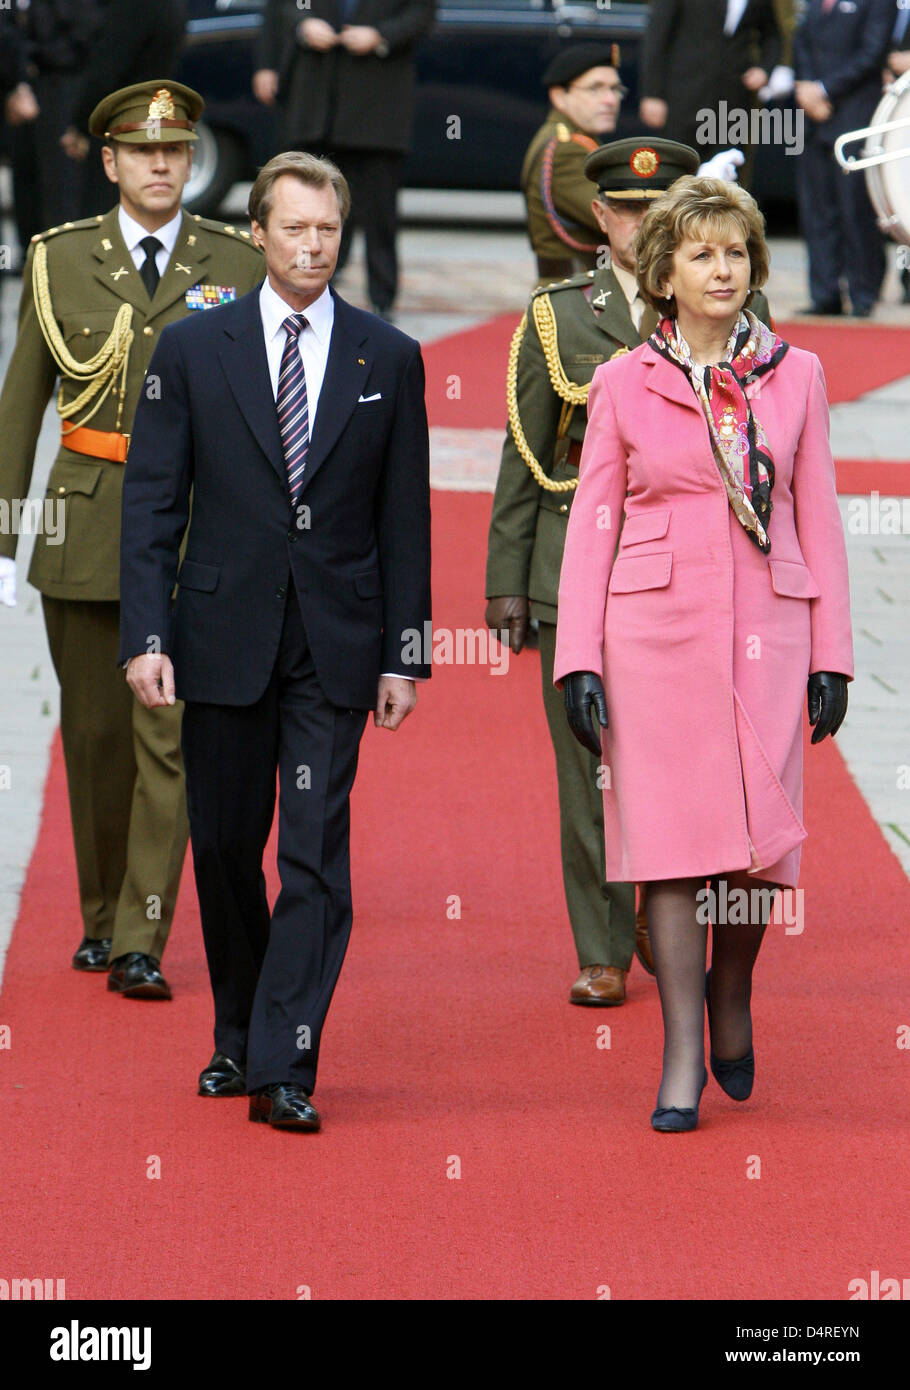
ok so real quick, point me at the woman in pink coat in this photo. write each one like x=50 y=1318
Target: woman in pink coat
x=693 y=642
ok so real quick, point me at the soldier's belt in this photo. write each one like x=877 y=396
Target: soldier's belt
x=98 y=444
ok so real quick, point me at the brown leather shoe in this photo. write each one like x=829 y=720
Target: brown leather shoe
x=599 y=984
x=642 y=940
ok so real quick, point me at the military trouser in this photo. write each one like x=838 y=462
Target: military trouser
x=124 y=773
x=602 y=914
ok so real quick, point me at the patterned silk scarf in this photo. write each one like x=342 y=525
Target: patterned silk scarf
x=741 y=449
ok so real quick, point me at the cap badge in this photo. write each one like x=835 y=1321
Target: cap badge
x=161 y=106
x=645 y=162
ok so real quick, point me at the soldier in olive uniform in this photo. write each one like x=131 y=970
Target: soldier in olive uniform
x=568 y=330
x=96 y=296
x=585 y=97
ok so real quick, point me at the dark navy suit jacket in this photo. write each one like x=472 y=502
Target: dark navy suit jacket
x=358 y=545
x=845 y=49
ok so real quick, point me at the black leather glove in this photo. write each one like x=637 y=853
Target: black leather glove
x=827 y=692
x=585 y=699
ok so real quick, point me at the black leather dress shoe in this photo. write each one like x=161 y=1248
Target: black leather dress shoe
x=222 y=1077
x=830 y=310
x=283 y=1106
x=92 y=954
x=138 y=977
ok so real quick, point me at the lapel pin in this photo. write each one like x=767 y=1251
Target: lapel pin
x=360 y=362
x=107 y=245
x=185 y=268
x=115 y=274
x=191 y=240
x=598 y=300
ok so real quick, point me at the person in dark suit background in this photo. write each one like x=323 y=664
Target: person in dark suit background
x=133 y=43
x=839 y=49
x=343 y=77
x=299 y=423
x=18 y=102
x=896 y=64
x=698 y=53
x=59 y=36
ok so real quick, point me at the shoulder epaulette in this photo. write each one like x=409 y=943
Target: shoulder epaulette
x=225 y=228
x=571 y=282
x=85 y=224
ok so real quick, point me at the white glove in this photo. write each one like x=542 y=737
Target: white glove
x=722 y=166
x=7 y=582
x=779 y=84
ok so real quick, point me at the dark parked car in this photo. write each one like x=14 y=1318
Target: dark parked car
x=479 y=93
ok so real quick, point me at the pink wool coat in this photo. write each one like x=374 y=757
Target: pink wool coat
x=705 y=644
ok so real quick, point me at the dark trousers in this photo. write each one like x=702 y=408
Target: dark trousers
x=374 y=177
x=273 y=976
x=839 y=225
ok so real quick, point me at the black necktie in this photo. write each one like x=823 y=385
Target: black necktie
x=149 y=268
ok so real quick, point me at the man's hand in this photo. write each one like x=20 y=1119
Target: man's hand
x=511 y=612
x=21 y=105
x=7 y=582
x=74 y=143
x=653 y=111
x=318 y=34
x=395 y=699
x=754 y=78
x=811 y=97
x=151 y=679
x=265 y=86
x=360 y=38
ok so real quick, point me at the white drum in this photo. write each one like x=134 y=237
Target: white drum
x=884 y=159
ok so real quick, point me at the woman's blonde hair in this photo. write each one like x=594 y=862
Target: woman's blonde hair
x=697 y=208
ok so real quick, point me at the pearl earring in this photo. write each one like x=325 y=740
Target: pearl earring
x=669 y=294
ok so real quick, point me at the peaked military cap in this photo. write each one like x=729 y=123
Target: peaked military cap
x=162 y=111
x=571 y=62
x=639 y=167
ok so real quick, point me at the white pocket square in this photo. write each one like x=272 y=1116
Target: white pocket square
x=362 y=400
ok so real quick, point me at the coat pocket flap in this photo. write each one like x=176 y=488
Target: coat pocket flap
x=793 y=580
x=71 y=475
x=633 y=572
x=369 y=585
x=644 y=526
x=193 y=575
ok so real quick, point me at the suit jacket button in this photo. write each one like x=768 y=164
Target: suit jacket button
x=281 y=591
x=148 y=331
x=564 y=507
x=292 y=535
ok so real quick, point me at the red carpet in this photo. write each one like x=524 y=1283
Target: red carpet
x=451 y=1038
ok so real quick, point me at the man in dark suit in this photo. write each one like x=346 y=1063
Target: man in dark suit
x=896 y=64
x=699 y=53
x=299 y=424
x=839 y=50
x=134 y=43
x=342 y=72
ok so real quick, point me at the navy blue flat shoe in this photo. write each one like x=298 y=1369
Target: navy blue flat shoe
x=672 y=1119
x=736 y=1077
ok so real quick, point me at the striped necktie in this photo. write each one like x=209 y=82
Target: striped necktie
x=293 y=414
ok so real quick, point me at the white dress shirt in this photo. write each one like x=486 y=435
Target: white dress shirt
x=133 y=233
x=735 y=11
x=314 y=342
